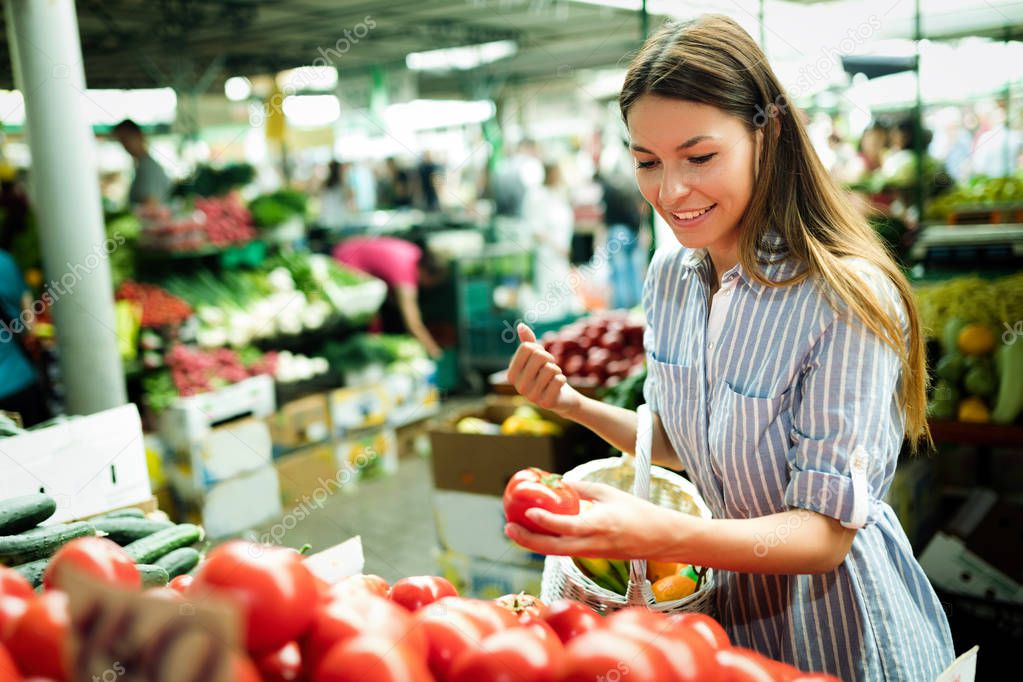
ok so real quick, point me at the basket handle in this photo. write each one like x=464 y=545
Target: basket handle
x=643 y=463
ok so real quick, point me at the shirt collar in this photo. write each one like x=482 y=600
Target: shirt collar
x=777 y=265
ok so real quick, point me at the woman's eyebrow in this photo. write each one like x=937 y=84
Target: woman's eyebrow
x=692 y=141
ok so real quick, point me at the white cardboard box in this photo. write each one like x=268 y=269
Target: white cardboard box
x=88 y=464
x=235 y=505
x=230 y=450
x=189 y=420
x=473 y=524
x=951 y=566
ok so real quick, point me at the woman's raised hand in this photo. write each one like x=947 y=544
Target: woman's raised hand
x=535 y=375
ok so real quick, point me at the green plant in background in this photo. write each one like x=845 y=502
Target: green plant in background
x=270 y=210
x=207 y=181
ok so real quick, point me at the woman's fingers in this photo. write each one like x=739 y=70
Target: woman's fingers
x=526 y=334
x=596 y=492
x=549 y=544
x=549 y=397
x=562 y=524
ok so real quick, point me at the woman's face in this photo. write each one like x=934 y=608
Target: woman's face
x=695 y=165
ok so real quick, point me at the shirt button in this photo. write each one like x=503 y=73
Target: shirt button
x=710 y=345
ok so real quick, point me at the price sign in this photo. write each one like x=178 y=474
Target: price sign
x=131 y=637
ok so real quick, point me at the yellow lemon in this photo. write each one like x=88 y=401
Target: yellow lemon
x=976 y=339
x=973 y=409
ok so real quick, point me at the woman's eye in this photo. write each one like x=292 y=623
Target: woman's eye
x=700 y=160
x=645 y=164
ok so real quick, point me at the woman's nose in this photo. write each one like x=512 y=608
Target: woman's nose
x=674 y=186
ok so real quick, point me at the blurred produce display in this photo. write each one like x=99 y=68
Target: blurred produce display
x=270 y=210
x=214 y=182
x=979 y=192
x=159 y=308
x=205 y=223
x=600 y=350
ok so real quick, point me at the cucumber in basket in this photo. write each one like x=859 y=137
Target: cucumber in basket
x=41 y=542
x=180 y=561
x=151 y=548
x=152 y=575
x=125 y=530
x=21 y=513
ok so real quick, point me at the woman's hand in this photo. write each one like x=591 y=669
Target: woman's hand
x=617 y=525
x=535 y=375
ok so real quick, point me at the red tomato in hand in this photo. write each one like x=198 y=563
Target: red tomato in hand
x=11 y=609
x=13 y=584
x=522 y=605
x=418 y=591
x=272 y=585
x=514 y=655
x=368 y=658
x=569 y=619
x=537 y=488
x=37 y=642
x=99 y=558
x=181 y=583
x=601 y=654
x=703 y=625
x=283 y=665
x=341 y=620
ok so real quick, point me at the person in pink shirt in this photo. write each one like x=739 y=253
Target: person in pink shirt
x=403 y=266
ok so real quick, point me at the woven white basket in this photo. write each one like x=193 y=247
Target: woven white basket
x=563 y=579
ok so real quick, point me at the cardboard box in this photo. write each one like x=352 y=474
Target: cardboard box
x=414 y=439
x=355 y=409
x=230 y=450
x=991 y=527
x=189 y=420
x=474 y=577
x=304 y=472
x=950 y=565
x=482 y=463
x=89 y=464
x=232 y=506
x=473 y=525
x=300 y=423
x=367 y=454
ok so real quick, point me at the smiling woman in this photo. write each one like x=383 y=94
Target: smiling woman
x=785 y=372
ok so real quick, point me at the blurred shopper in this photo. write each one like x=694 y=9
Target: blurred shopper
x=395 y=187
x=20 y=388
x=997 y=146
x=150 y=186
x=952 y=143
x=404 y=266
x=872 y=148
x=337 y=205
x=623 y=217
x=431 y=180
x=549 y=219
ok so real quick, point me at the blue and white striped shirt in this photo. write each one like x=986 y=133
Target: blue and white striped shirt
x=795 y=406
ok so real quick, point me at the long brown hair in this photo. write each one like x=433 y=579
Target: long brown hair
x=712 y=60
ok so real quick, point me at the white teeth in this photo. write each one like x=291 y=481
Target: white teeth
x=692 y=214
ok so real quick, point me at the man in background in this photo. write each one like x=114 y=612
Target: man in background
x=150 y=186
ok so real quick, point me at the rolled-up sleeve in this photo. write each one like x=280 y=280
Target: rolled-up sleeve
x=844 y=424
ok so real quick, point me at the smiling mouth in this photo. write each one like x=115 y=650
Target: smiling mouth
x=691 y=215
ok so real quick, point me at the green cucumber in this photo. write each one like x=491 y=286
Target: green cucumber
x=18 y=514
x=152 y=576
x=41 y=542
x=125 y=530
x=33 y=571
x=180 y=561
x=151 y=548
x=129 y=513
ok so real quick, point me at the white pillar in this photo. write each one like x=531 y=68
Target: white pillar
x=47 y=60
